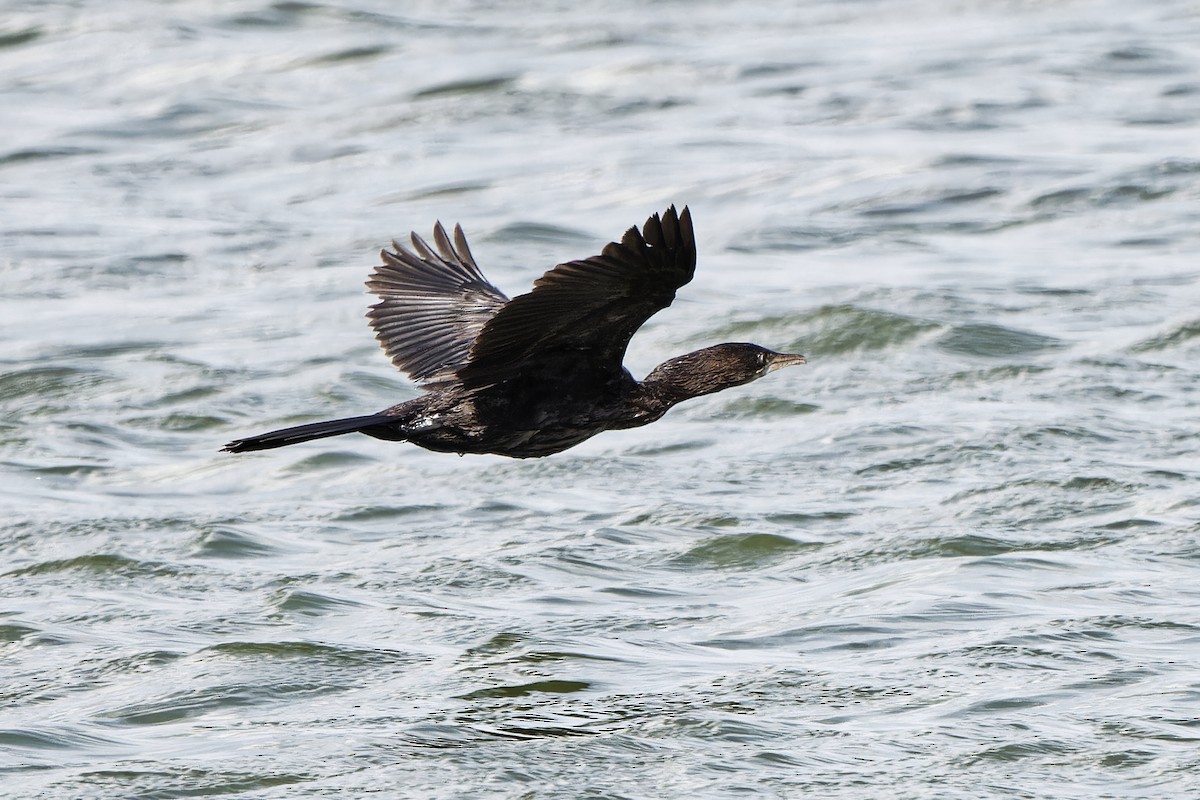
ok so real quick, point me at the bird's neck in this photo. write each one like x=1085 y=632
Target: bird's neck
x=675 y=380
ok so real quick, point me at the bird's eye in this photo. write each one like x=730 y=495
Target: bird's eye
x=762 y=359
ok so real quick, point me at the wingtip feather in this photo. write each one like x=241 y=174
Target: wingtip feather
x=464 y=251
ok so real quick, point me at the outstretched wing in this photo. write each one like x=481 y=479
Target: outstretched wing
x=585 y=312
x=431 y=305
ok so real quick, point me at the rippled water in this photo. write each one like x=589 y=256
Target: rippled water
x=954 y=556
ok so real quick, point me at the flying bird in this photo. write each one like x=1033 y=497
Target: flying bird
x=539 y=373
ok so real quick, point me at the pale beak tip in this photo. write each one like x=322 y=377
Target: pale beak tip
x=782 y=360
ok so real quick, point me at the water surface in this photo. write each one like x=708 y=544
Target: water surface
x=954 y=556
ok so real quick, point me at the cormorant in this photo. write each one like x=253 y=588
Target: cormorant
x=542 y=372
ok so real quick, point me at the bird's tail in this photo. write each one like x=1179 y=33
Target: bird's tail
x=314 y=430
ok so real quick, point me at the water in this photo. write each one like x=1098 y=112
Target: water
x=954 y=556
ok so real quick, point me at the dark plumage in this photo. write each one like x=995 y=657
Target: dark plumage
x=542 y=372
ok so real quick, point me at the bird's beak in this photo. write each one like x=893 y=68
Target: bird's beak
x=781 y=360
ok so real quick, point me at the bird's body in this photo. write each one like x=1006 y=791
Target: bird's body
x=511 y=420
x=540 y=373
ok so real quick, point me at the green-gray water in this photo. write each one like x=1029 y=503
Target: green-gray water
x=954 y=556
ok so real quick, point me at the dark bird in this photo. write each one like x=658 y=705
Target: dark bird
x=542 y=372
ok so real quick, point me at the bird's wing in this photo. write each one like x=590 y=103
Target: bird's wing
x=432 y=305
x=585 y=312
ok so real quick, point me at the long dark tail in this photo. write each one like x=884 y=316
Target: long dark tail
x=314 y=430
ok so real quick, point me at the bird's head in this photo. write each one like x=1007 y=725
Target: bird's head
x=715 y=368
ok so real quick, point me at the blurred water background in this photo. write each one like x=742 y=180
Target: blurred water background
x=954 y=556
